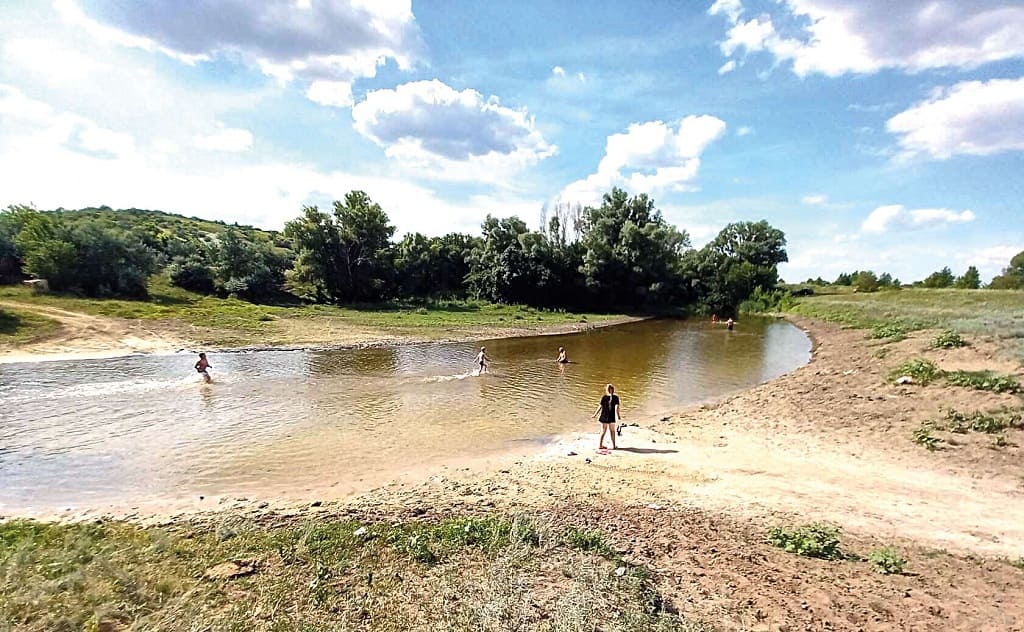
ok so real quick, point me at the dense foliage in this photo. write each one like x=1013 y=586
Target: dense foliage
x=621 y=254
x=1012 y=277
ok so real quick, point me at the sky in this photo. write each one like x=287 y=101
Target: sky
x=877 y=135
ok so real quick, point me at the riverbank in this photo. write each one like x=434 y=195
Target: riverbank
x=687 y=505
x=38 y=327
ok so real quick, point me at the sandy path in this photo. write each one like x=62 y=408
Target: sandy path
x=86 y=336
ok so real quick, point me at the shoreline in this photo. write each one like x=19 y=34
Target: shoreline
x=18 y=356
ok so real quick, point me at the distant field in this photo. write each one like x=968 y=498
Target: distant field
x=236 y=322
x=999 y=313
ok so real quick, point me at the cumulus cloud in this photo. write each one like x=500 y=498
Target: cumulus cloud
x=744 y=131
x=727 y=67
x=225 y=139
x=892 y=216
x=649 y=157
x=454 y=134
x=558 y=71
x=333 y=41
x=974 y=117
x=835 y=37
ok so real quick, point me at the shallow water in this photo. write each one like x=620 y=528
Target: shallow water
x=92 y=432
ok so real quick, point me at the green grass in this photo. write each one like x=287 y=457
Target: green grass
x=999 y=313
x=989 y=422
x=984 y=381
x=486 y=573
x=236 y=322
x=812 y=540
x=20 y=327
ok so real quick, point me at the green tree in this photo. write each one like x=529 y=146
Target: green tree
x=865 y=281
x=345 y=256
x=971 y=280
x=511 y=264
x=940 y=279
x=248 y=269
x=632 y=256
x=744 y=256
x=1012 y=277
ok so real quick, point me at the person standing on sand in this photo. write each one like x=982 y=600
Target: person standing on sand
x=482 y=360
x=202 y=366
x=610 y=415
x=562 y=357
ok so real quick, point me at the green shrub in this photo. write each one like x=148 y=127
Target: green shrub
x=948 y=339
x=988 y=422
x=586 y=540
x=984 y=381
x=813 y=540
x=919 y=370
x=923 y=436
x=890 y=331
x=887 y=561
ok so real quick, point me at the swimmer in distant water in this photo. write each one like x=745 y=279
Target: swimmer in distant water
x=562 y=358
x=202 y=366
x=714 y=318
x=731 y=324
x=482 y=360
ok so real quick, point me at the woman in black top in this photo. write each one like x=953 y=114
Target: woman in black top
x=609 y=411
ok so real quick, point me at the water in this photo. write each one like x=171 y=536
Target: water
x=93 y=432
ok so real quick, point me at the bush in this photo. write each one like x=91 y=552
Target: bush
x=923 y=436
x=919 y=370
x=948 y=339
x=191 y=274
x=762 y=301
x=892 y=331
x=813 y=540
x=984 y=381
x=987 y=422
x=887 y=561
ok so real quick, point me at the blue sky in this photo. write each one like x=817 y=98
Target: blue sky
x=877 y=135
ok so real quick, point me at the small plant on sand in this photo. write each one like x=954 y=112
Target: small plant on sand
x=989 y=422
x=586 y=540
x=887 y=561
x=919 y=370
x=1000 y=441
x=984 y=381
x=890 y=331
x=1017 y=563
x=923 y=436
x=812 y=540
x=948 y=339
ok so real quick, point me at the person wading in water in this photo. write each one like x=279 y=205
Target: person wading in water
x=610 y=415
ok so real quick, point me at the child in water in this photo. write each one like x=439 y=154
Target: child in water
x=482 y=360
x=201 y=366
x=562 y=357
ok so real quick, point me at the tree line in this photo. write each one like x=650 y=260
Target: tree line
x=621 y=254
x=1011 y=278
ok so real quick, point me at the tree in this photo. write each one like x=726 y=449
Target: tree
x=971 y=280
x=1012 y=277
x=942 y=278
x=844 y=279
x=865 y=281
x=744 y=256
x=511 y=264
x=345 y=256
x=632 y=255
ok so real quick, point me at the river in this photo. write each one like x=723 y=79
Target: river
x=90 y=433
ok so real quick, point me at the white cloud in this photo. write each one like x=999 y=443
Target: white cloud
x=730 y=8
x=336 y=93
x=335 y=41
x=815 y=199
x=225 y=139
x=727 y=67
x=973 y=117
x=891 y=216
x=452 y=134
x=744 y=131
x=558 y=71
x=990 y=260
x=649 y=157
x=835 y=37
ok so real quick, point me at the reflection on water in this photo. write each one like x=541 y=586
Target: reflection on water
x=122 y=430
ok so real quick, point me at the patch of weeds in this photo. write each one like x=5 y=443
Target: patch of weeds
x=890 y=331
x=1017 y=563
x=1000 y=441
x=923 y=436
x=948 y=339
x=812 y=540
x=887 y=561
x=587 y=540
x=989 y=422
x=919 y=370
x=984 y=381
